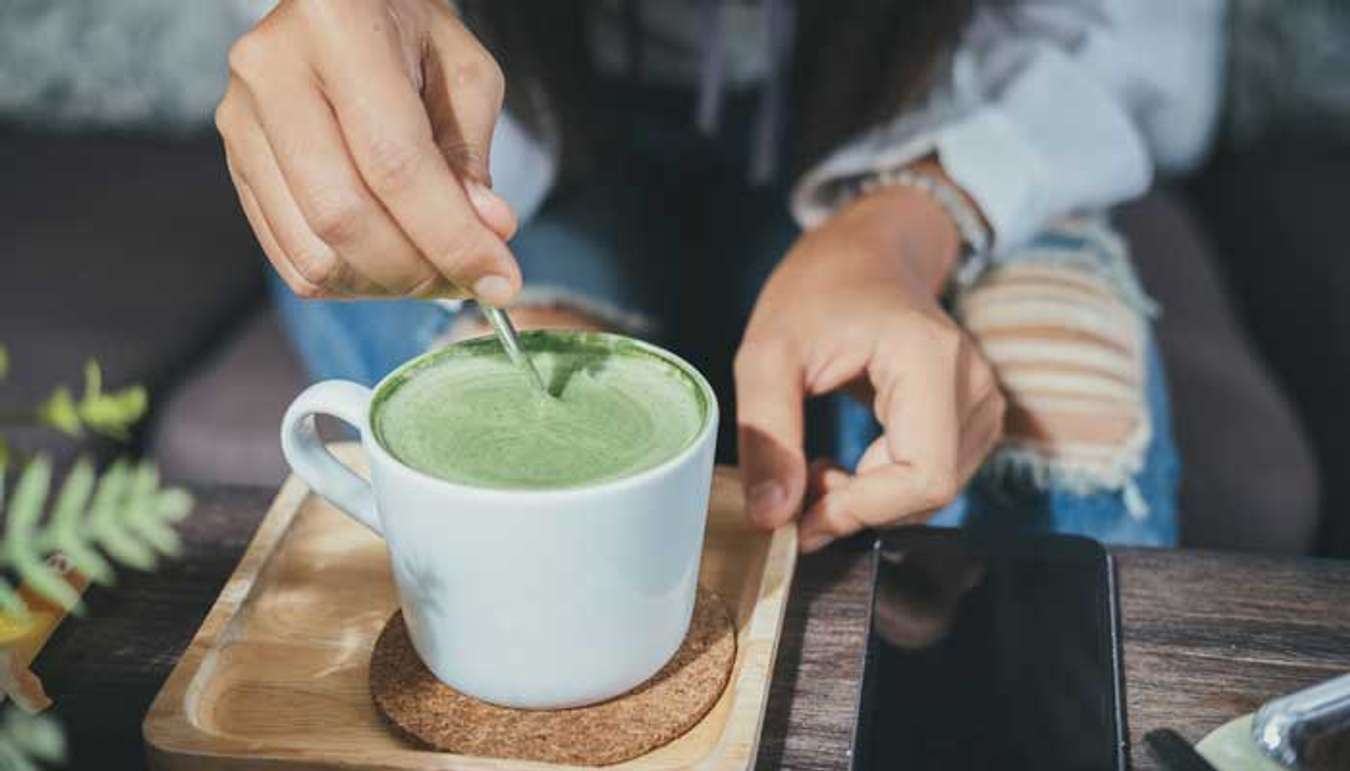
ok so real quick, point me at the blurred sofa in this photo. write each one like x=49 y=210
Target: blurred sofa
x=134 y=250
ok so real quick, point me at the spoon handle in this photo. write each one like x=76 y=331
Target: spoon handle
x=506 y=333
x=1291 y=728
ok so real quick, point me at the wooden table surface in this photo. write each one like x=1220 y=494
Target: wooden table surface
x=1207 y=636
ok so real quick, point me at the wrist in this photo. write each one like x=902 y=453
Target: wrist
x=912 y=226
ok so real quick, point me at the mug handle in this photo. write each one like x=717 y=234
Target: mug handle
x=310 y=458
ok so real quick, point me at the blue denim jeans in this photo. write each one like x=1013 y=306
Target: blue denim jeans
x=670 y=244
x=567 y=262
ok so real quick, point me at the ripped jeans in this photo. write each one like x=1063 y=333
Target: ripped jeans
x=1015 y=491
x=1065 y=326
x=683 y=266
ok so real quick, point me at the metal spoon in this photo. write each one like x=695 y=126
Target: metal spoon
x=506 y=333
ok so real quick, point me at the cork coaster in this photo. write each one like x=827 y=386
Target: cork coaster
x=647 y=717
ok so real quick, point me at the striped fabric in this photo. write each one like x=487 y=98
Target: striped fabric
x=1069 y=353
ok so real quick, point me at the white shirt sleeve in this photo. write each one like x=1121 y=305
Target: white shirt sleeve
x=1053 y=106
x=523 y=167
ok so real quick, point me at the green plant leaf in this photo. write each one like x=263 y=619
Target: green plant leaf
x=10 y=600
x=37 y=736
x=59 y=412
x=93 y=380
x=79 y=485
x=12 y=758
x=63 y=531
x=33 y=569
x=125 y=513
x=25 y=508
x=140 y=513
x=106 y=519
x=111 y=414
x=173 y=504
x=94 y=521
x=20 y=550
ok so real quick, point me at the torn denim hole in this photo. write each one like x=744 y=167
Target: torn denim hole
x=1085 y=243
x=1063 y=321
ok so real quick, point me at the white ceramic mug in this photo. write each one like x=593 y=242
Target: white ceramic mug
x=526 y=598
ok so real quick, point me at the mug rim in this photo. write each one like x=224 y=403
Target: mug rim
x=709 y=425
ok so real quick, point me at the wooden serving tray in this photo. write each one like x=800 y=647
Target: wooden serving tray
x=277 y=676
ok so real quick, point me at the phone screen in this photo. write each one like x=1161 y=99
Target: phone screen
x=991 y=655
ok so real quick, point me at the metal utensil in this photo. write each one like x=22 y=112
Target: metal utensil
x=1308 y=730
x=1174 y=752
x=510 y=340
x=1289 y=729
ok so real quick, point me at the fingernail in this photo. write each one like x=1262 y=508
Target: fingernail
x=764 y=500
x=493 y=290
x=811 y=541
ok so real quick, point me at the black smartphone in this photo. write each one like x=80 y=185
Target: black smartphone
x=991 y=654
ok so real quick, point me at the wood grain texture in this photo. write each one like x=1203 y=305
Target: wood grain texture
x=1207 y=637
x=812 y=705
x=278 y=675
x=1211 y=636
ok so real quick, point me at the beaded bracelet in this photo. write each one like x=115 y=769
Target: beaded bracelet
x=974 y=235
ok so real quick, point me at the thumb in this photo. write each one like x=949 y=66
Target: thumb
x=769 y=395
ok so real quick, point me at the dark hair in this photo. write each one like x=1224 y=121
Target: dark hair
x=855 y=63
x=859 y=62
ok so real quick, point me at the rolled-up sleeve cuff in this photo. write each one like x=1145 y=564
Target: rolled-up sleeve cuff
x=985 y=156
x=523 y=168
x=981 y=152
x=1054 y=143
x=821 y=190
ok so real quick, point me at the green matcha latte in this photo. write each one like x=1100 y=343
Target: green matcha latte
x=467 y=415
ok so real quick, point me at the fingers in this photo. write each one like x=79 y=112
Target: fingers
x=310 y=151
x=389 y=134
x=769 y=396
x=864 y=500
x=312 y=268
x=463 y=93
x=980 y=432
x=842 y=503
x=334 y=90
x=492 y=209
x=942 y=412
x=877 y=454
x=823 y=477
x=918 y=407
x=268 y=241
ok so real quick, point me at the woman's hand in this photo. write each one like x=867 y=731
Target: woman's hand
x=357 y=135
x=854 y=306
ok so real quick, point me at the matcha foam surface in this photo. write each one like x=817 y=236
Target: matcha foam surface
x=473 y=418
